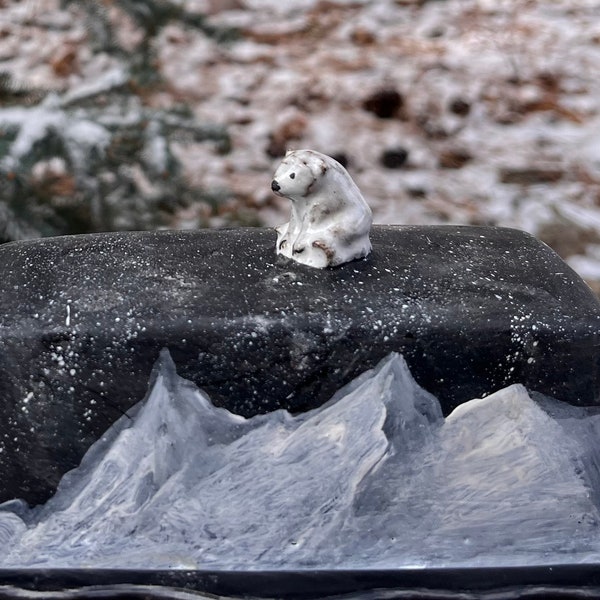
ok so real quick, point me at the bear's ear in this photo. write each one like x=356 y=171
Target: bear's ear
x=288 y=152
x=318 y=167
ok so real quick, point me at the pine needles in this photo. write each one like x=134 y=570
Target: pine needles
x=96 y=158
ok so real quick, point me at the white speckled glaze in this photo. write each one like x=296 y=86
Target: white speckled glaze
x=330 y=221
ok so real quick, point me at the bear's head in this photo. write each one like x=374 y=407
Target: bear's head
x=299 y=174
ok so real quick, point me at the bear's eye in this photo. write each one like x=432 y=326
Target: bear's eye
x=292 y=175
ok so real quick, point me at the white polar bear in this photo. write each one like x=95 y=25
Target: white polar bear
x=330 y=219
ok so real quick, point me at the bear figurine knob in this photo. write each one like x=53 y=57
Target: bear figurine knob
x=330 y=221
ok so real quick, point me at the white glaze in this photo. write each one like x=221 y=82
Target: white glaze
x=330 y=220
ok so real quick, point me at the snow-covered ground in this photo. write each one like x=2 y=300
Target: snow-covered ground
x=455 y=111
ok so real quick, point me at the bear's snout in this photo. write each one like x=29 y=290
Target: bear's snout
x=275 y=186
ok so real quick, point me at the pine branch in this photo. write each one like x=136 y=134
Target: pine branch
x=95 y=158
x=150 y=15
x=12 y=228
x=98 y=24
x=13 y=92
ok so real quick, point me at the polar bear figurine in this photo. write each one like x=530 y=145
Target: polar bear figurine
x=330 y=219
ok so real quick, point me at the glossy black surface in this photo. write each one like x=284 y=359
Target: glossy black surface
x=543 y=583
x=83 y=318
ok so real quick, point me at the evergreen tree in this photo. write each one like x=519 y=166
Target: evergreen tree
x=95 y=158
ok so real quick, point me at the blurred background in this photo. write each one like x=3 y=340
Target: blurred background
x=127 y=114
